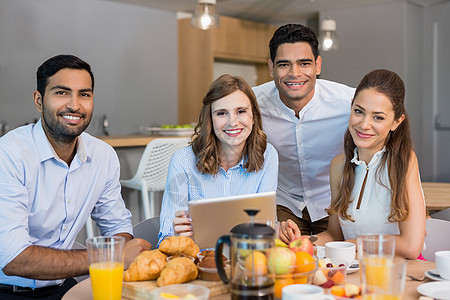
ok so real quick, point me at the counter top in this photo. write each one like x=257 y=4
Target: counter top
x=117 y=141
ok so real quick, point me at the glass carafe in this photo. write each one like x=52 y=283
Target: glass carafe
x=249 y=245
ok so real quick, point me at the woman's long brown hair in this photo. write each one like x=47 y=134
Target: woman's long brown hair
x=398 y=149
x=204 y=141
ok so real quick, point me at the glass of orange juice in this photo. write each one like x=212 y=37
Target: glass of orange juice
x=105 y=254
x=383 y=278
x=375 y=244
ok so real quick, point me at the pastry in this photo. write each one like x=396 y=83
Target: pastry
x=178 y=270
x=146 y=266
x=173 y=245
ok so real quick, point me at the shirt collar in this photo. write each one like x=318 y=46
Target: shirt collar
x=46 y=150
x=240 y=164
x=375 y=158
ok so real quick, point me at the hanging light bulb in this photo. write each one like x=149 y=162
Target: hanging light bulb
x=205 y=15
x=328 y=38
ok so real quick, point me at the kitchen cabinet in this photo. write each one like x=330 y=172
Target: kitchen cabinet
x=237 y=41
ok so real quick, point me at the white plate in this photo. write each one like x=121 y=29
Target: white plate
x=170 y=131
x=433 y=274
x=436 y=290
x=351 y=270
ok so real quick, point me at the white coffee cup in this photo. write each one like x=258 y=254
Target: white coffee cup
x=442 y=260
x=340 y=252
x=304 y=292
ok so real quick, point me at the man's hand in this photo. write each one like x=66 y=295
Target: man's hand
x=289 y=231
x=132 y=249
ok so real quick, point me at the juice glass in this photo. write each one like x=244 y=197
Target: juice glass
x=383 y=278
x=105 y=254
x=375 y=245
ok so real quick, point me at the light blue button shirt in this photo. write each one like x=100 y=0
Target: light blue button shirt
x=186 y=183
x=45 y=202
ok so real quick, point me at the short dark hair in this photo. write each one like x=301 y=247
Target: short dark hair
x=56 y=63
x=293 y=33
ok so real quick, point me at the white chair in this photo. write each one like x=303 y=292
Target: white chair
x=151 y=174
x=148 y=230
x=442 y=214
x=437 y=237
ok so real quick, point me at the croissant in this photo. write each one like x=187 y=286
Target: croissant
x=146 y=266
x=179 y=244
x=178 y=270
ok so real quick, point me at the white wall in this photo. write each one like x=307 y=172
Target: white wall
x=399 y=36
x=132 y=51
x=435 y=95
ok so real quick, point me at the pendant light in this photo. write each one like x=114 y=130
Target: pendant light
x=328 y=38
x=205 y=15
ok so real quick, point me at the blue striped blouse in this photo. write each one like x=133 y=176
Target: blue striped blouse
x=186 y=183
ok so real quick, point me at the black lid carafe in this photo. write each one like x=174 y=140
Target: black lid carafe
x=249 y=245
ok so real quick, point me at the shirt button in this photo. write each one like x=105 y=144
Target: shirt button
x=70 y=200
x=65 y=228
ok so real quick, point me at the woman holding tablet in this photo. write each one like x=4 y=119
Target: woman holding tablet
x=375 y=184
x=228 y=155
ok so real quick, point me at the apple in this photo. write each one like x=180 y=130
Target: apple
x=302 y=243
x=281 y=260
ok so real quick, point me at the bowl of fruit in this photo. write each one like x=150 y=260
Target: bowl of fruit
x=292 y=263
x=329 y=275
x=172 y=130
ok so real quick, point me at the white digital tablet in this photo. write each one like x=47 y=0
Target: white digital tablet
x=214 y=217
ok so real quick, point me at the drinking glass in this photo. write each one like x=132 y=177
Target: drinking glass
x=376 y=245
x=383 y=278
x=105 y=255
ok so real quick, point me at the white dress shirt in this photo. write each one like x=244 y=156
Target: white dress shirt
x=45 y=202
x=307 y=144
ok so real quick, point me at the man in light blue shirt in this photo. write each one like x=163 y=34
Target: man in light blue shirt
x=53 y=176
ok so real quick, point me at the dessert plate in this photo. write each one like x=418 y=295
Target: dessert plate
x=433 y=274
x=436 y=290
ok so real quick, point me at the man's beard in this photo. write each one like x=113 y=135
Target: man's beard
x=61 y=132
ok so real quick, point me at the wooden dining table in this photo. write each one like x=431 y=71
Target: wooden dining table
x=416 y=268
x=437 y=195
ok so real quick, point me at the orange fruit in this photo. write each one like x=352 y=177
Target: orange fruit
x=337 y=290
x=280 y=282
x=256 y=261
x=304 y=262
x=300 y=279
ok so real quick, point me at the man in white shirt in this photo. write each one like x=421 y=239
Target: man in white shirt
x=305 y=119
x=53 y=176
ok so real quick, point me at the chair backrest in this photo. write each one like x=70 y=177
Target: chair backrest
x=437 y=237
x=148 y=230
x=442 y=214
x=154 y=162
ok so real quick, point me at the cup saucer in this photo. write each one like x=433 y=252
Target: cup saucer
x=433 y=274
x=353 y=267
